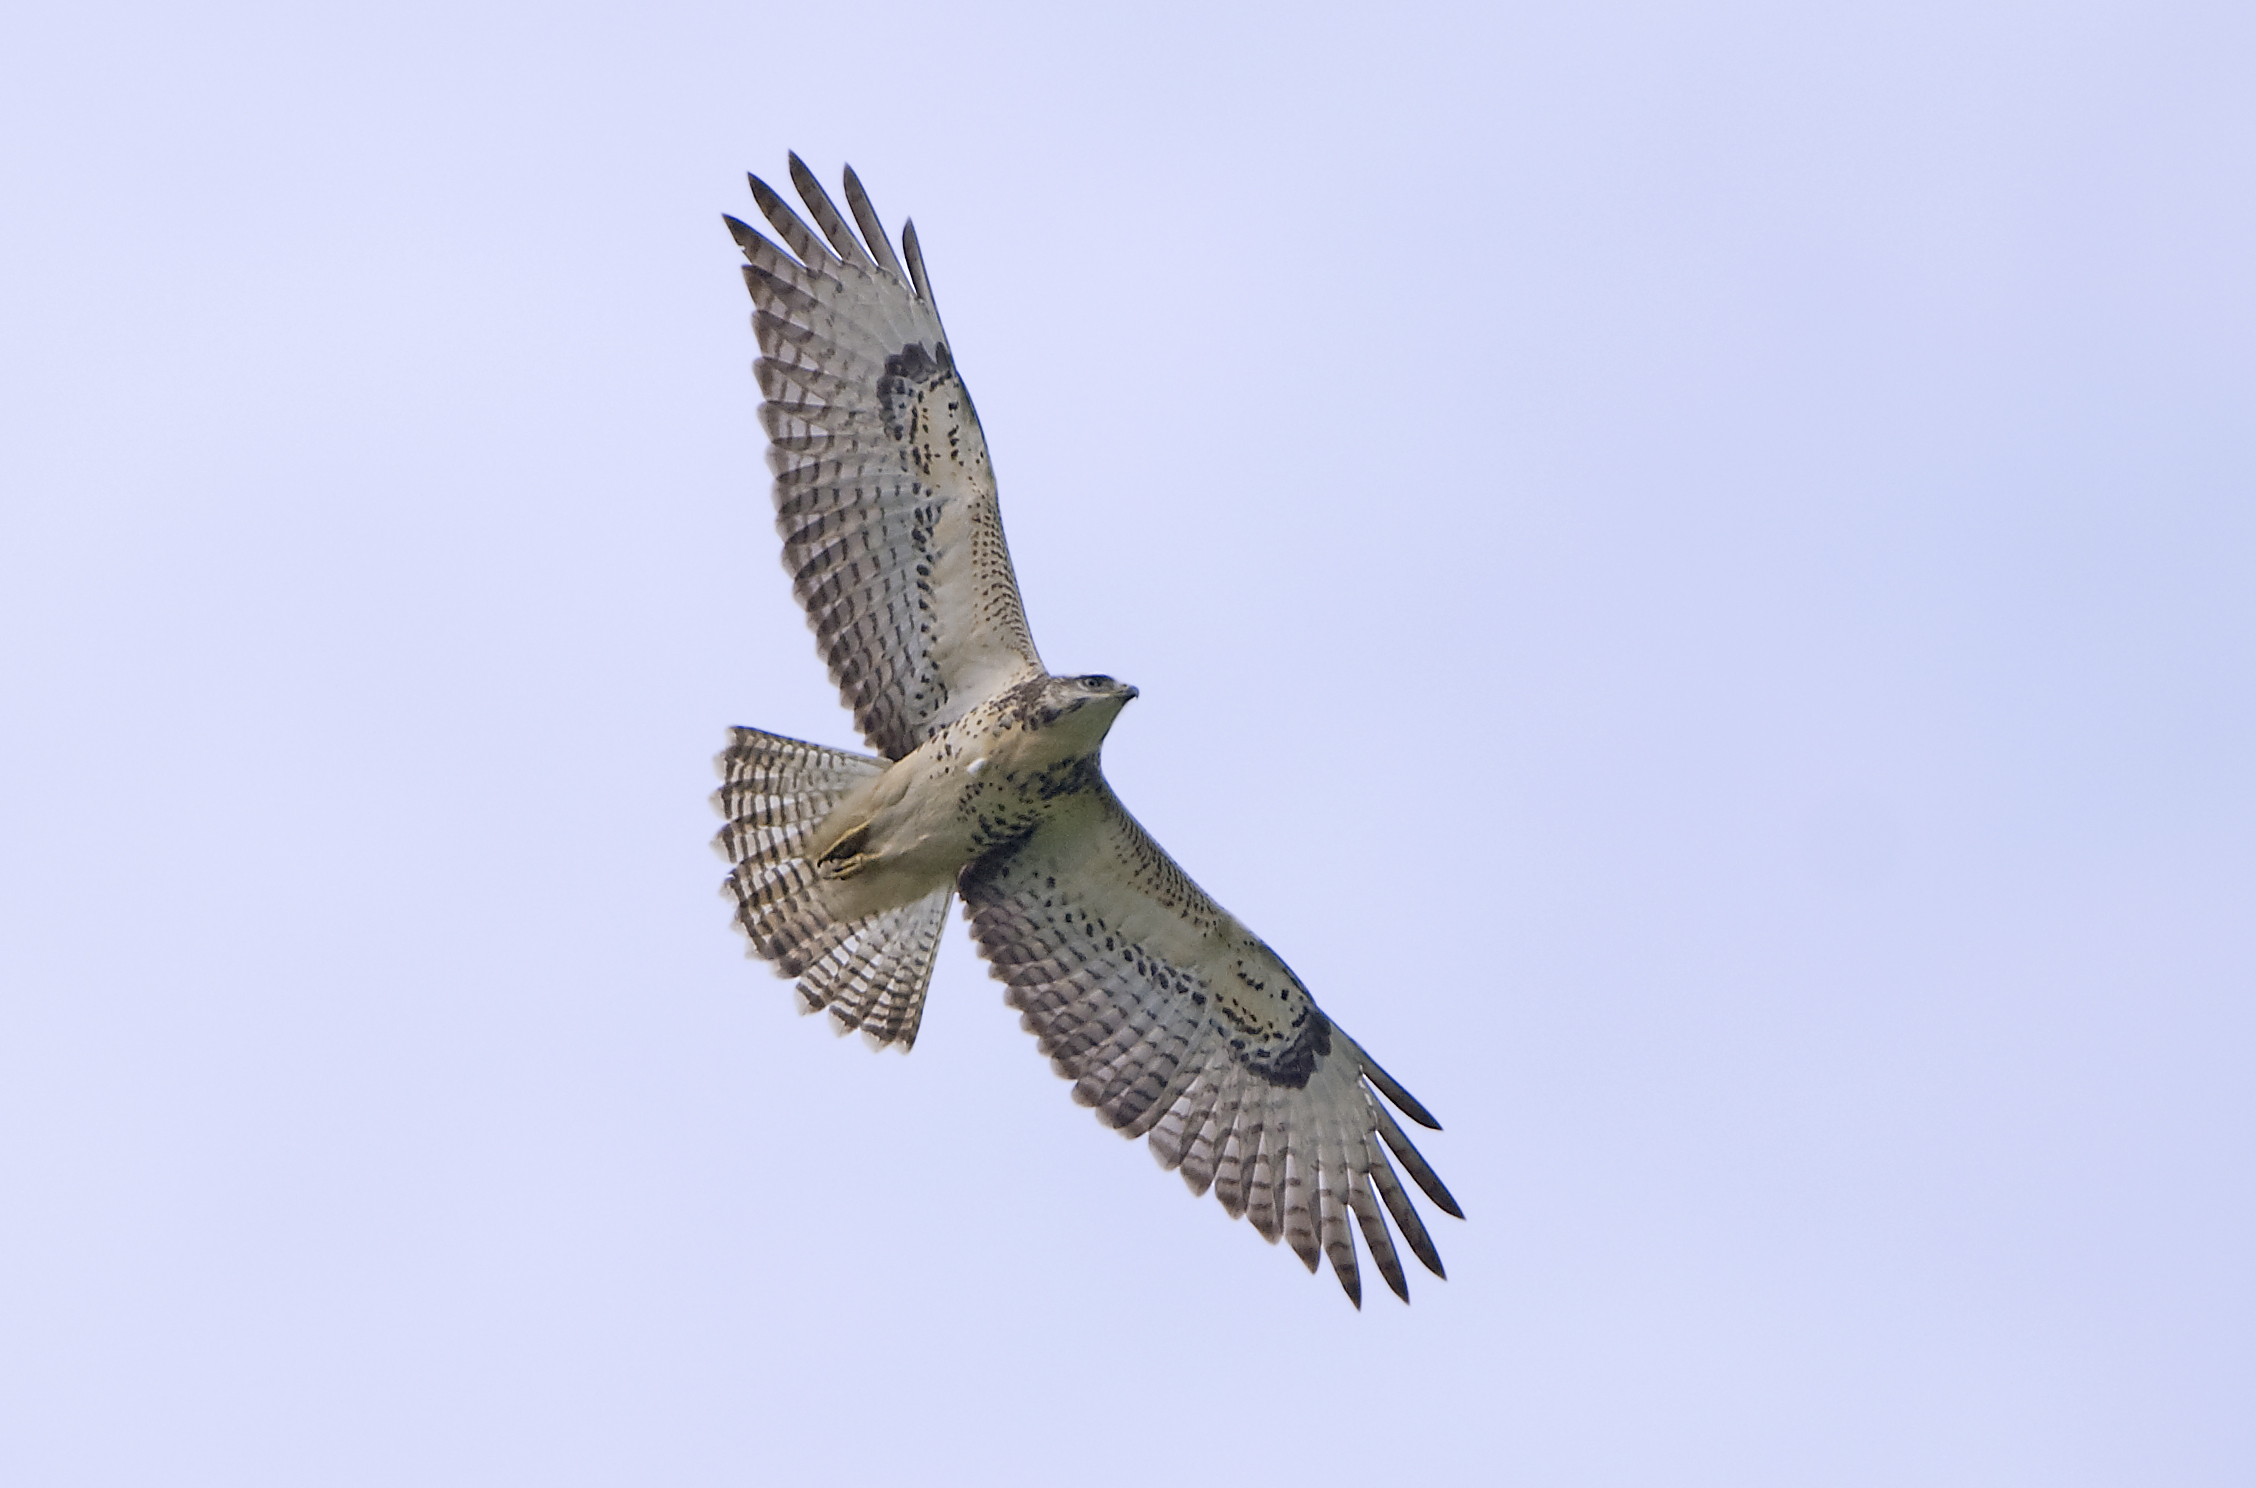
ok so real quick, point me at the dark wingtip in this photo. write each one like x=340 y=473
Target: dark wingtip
x=1408 y=1104
x=872 y=226
x=764 y=194
x=913 y=251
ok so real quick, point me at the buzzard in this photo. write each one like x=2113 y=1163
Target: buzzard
x=1173 y=1020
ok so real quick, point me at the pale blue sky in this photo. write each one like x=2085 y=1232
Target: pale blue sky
x=1693 y=568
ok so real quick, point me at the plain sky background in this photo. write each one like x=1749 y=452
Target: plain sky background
x=1692 y=567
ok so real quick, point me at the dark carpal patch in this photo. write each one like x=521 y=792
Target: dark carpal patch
x=913 y=363
x=1292 y=1064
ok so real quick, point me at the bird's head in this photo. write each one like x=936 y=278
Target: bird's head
x=1082 y=707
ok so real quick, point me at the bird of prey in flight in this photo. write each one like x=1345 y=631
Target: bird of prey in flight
x=1173 y=1020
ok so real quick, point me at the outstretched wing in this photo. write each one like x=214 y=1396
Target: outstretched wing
x=1174 y=1020
x=883 y=492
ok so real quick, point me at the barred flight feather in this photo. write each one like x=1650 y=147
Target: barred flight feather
x=865 y=215
x=870 y=973
x=1375 y=1236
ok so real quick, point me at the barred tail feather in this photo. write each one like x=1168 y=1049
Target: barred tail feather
x=870 y=973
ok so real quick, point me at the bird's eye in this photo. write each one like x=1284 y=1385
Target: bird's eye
x=1096 y=681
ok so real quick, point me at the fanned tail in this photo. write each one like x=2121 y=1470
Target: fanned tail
x=870 y=973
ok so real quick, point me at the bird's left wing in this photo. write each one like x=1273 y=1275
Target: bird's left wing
x=883 y=491
x=1174 y=1020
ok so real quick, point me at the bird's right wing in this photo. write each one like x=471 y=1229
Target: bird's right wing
x=883 y=491
x=1175 y=1020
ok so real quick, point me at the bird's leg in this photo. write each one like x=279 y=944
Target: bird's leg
x=845 y=857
